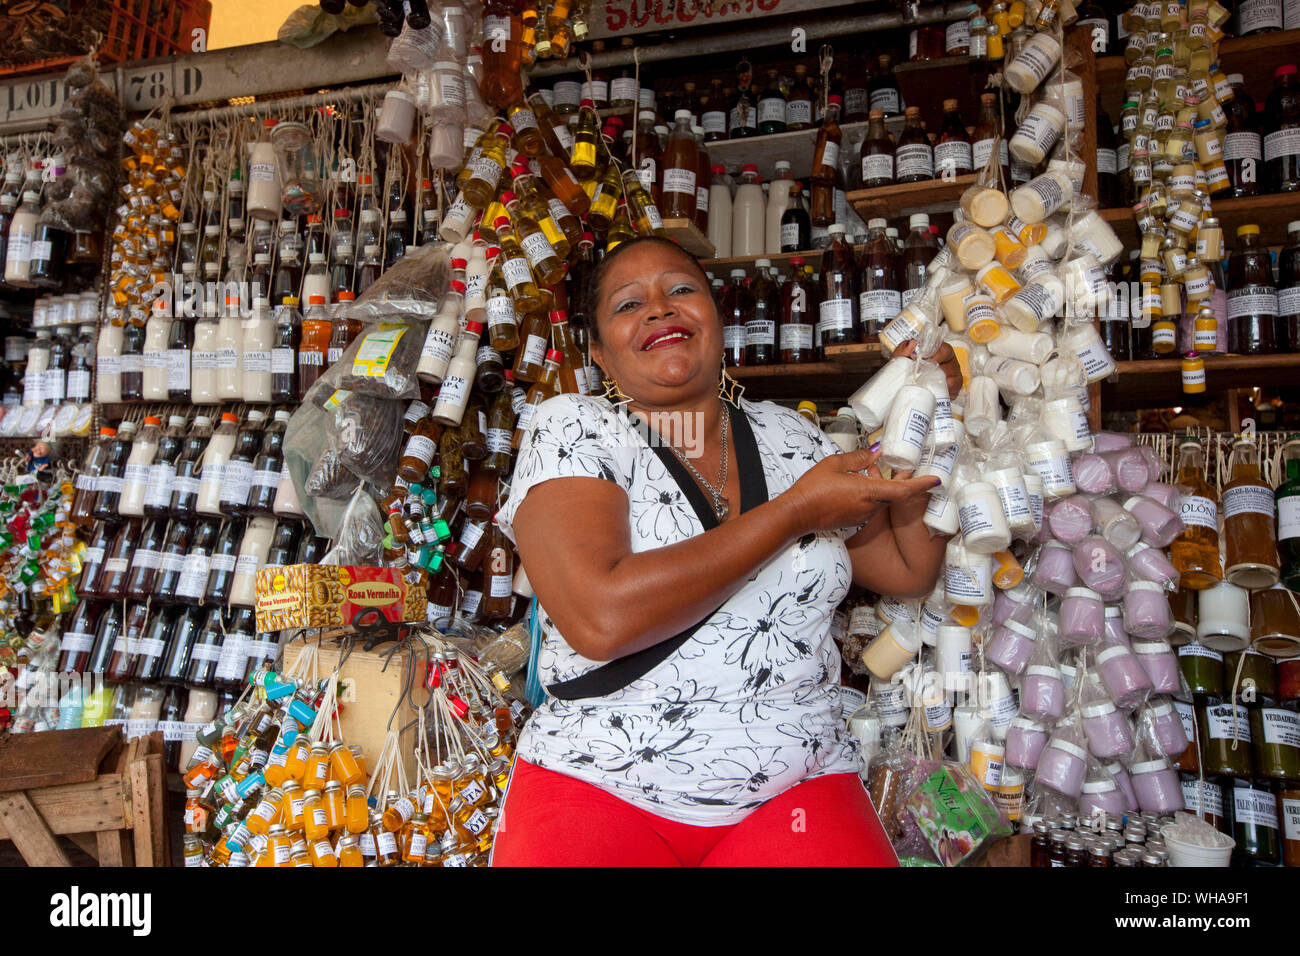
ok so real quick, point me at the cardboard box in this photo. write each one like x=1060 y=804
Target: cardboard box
x=316 y=595
x=368 y=694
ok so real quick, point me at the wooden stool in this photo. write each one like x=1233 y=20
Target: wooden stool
x=104 y=793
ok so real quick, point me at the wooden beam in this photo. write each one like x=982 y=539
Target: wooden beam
x=114 y=848
x=80 y=807
x=27 y=829
x=87 y=842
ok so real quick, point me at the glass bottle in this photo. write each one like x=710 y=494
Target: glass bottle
x=680 y=169
x=1195 y=552
x=879 y=299
x=952 y=150
x=1252 y=297
x=314 y=345
x=145 y=560
x=236 y=482
x=268 y=466
x=1282 y=131
x=1288 y=290
x=112 y=472
x=838 y=322
x=798 y=316
x=176 y=659
x=1250 y=549
x=284 y=352
x=760 y=327
x=737 y=306
x=913 y=157
x=117 y=561
x=545 y=387
x=498 y=576
x=1243 y=148
x=221 y=564
x=884 y=93
x=919 y=248
x=79 y=639
x=742 y=118
x=796 y=227
x=771 y=106
x=126 y=647
x=988 y=130
x=826 y=152
x=1288 y=514
x=175 y=547
x=132 y=362
x=799 y=103
x=198 y=561
x=185 y=484
x=205 y=652
x=87 y=481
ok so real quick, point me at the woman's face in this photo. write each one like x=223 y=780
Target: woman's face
x=660 y=332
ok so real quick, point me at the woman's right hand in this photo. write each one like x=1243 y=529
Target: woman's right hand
x=844 y=491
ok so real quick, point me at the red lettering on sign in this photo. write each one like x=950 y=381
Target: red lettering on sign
x=615 y=16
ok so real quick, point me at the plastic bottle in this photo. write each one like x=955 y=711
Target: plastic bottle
x=136 y=474
x=778 y=200
x=257 y=338
x=108 y=364
x=157 y=331
x=237 y=480
x=796 y=332
x=919 y=248
x=838 y=310
x=162 y=470
x=760 y=328
x=264 y=192
x=748 y=215
x=737 y=306
x=1282 y=131
x=720 y=213
x=215 y=457
x=22 y=231
x=680 y=168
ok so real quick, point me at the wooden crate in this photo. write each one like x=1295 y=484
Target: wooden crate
x=103 y=793
x=369 y=694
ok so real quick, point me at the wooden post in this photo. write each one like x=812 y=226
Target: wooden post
x=1079 y=40
x=28 y=830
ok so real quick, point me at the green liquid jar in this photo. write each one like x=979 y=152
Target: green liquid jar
x=1275 y=741
x=1201 y=668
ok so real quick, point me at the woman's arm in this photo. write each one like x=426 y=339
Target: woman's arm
x=608 y=601
x=895 y=553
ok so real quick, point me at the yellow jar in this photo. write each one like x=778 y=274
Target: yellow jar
x=1174 y=258
x=1206 y=331
x=981 y=318
x=314 y=818
x=1209 y=241
x=1007 y=572
x=999 y=282
x=438 y=794
x=317 y=772
x=414 y=840
x=333 y=799
x=266 y=812
x=1197 y=283
x=1164 y=337
x=344 y=767
x=356 y=815
x=399 y=810
x=1183 y=181
x=278 y=845
x=1010 y=251
x=350 y=853
x=1029 y=233
x=1193 y=374
x=293 y=806
x=322 y=854
x=296 y=763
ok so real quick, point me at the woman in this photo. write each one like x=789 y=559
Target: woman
x=687 y=574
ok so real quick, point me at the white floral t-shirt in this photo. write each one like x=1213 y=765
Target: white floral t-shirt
x=747 y=707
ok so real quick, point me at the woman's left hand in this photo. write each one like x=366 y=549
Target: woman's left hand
x=945 y=358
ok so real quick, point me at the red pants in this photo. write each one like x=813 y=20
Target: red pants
x=550 y=819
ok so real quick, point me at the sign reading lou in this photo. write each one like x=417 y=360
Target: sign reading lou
x=625 y=17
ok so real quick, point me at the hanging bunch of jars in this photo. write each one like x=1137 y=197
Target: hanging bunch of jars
x=1174 y=122
x=270 y=784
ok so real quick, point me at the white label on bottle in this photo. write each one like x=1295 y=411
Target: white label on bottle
x=1253 y=300
x=222 y=563
x=966 y=581
x=877 y=166
x=194 y=576
x=678 y=180
x=1242 y=146
x=879 y=305
x=282 y=361
x=438 y=345
x=952 y=157
x=110 y=484
x=203 y=360
x=1107 y=161
x=714 y=121
x=976 y=517
x=1208 y=801
x=537 y=247
x=771 y=109
x=914 y=159
x=796 y=111
x=1015 y=502
x=798 y=336
x=261 y=172
x=733 y=337
x=887 y=100
x=257 y=360
x=246 y=565
x=1281 y=727
x=76 y=642
x=454 y=392
x=760 y=332
x=1247 y=499
x=516 y=272
x=1254 y=807
x=237 y=482
x=115 y=566
x=956 y=35
x=1221 y=726
x=109 y=365
x=1259 y=15
x=469 y=603
x=1285 y=142
x=188 y=485
x=916 y=428
x=751 y=119
x=1057 y=473
x=1200 y=511
x=227 y=358
x=145 y=559
x=623 y=89
x=156 y=360
x=150 y=647
x=421 y=448
x=470 y=535
x=534 y=350
x=1288 y=517
x=835 y=315
x=20 y=246
x=205 y=652
x=178 y=370
x=497 y=441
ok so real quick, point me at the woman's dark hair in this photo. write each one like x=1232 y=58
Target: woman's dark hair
x=603 y=267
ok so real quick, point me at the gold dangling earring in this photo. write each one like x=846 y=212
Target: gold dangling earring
x=613 y=393
x=729 y=390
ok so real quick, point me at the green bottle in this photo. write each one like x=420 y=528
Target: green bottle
x=1288 y=514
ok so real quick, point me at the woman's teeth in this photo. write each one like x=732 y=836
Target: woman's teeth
x=670 y=337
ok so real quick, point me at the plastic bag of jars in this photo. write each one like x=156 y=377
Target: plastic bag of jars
x=86 y=133
x=412 y=288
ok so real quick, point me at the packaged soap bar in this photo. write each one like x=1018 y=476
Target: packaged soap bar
x=955 y=814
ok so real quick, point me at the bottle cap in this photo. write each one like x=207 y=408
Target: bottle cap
x=834 y=99
x=502 y=222
x=229 y=417
x=554 y=355
x=797 y=262
x=152 y=420
x=835 y=229
x=507 y=197
x=346 y=296
x=877 y=223
x=559 y=315
x=1286 y=69
x=737 y=273
x=749 y=168
x=587 y=103
x=918 y=221
x=682 y=115
x=1248 y=230
x=316 y=300
x=808 y=407
x=107 y=432
x=474 y=328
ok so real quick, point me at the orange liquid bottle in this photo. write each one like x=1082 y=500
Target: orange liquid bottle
x=681 y=163
x=1195 y=552
x=502 y=53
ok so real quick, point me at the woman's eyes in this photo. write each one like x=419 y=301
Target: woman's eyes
x=682 y=288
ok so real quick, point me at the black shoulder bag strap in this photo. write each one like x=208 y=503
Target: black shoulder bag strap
x=617 y=674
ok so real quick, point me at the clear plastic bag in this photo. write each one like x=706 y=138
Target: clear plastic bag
x=410 y=289
x=359 y=540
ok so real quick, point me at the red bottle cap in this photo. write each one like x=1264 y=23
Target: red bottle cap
x=520 y=169
x=718 y=169
x=1286 y=69
x=505 y=129
x=341 y=213
x=835 y=98
x=507 y=197
x=346 y=296
x=426 y=184
x=502 y=221
x=270 y=122
x=588 y=237
x=229 y=417
x=461 y=264
x=749 y=168
x=559 y=315
x=589 y=103
x=474 y=328
x=316 y=300
x=509 y=374
x=554 y=355
x=797 y=261
x=107 y=432
x=152 y=420
x=457 y=286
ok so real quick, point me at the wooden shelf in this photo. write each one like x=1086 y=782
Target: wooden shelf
x=890 y=202
x=721 y=268
x=1255 y=58
x=830 y=381
x=1271 y=213
x=686 y=234
x=764 y=151
x=1157 y=383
